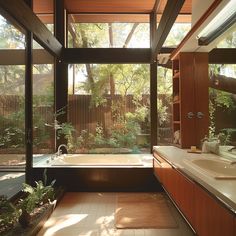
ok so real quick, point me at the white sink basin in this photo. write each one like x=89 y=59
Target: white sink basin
x=220 y=169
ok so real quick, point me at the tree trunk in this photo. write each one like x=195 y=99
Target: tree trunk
x=224 y=83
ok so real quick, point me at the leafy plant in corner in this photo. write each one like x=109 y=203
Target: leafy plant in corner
x=8 y=214
x=36 y=197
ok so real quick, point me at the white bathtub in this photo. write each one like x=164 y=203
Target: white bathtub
x=100 y=159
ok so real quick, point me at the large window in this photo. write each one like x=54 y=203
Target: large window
x=108 y=109
x=12 y=95
x=43 y=102
x=223 y=101
x=108 y=31
x=164 y=107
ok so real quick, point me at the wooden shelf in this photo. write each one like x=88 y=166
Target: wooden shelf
x=176 y=75
x=176 y=102
x=190 y=96
x=176 y=121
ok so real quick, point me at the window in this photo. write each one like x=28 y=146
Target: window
x=108 y=31
x=12 y=95
x=108 y=108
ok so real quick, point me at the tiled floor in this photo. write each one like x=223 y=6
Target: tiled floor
x=92 y=214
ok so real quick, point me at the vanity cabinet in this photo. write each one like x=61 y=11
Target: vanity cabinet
x=190 y=98
x=205 y=214
x=211 y=218
x=178 y=187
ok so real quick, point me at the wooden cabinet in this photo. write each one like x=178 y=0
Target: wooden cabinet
x=234 y=225
x=185 y=196
x=206 y=214
x=211 y=218
x=190 y=98
x=177 y=186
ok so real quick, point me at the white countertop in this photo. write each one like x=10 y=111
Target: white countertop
x=223 y=189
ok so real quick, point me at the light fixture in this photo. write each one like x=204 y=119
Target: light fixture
x=220 y=23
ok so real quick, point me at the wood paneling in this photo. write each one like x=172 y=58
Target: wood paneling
x=139 y=6
x=110 y=18
x=210 y=217
x=187 y=98
x=234 y=225
x=43 y=6
x=201 y=83
x=186 y=9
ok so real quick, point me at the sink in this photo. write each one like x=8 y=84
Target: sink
x=220 y=169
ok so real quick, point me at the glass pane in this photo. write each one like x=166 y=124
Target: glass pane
x=223 y=107
x=229 y=41
x=43 y=103
x=177 y=33
x=164 y=107
x=108 y=31
x=108 y=109
x=12 y=95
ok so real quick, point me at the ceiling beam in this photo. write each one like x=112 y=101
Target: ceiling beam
x=19 y=11
x=106 y=55
x=168 y=18
x=222 y=56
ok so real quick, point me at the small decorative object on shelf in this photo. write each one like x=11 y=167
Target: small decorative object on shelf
x=177 y=139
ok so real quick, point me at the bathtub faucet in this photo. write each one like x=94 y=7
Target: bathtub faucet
x=59 y=150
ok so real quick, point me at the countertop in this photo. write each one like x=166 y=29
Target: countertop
x=223 y=189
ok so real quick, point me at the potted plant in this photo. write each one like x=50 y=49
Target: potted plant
x=36 y=197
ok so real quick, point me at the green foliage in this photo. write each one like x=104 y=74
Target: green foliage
x=124 y=133
x=8 y=213
x=36 y=196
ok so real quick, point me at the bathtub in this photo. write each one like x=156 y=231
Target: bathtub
x=100 y=159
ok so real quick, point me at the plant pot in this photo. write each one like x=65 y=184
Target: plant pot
x=24 y=219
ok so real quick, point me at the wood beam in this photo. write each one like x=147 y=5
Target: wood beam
x=18 y=10
x=28 y=102
x=168 y=18
x=224 y=83
x=222 y=56
x=106 y=55
x=156 y=6
x=61 y=68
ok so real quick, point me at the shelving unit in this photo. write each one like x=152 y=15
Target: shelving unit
x=176 y=101
x=190 y=97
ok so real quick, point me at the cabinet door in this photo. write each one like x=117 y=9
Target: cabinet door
x=187 y=97
x=202 y=96
x=210 y=217
x=185 y=196
x=164 y=172
x=157 y=170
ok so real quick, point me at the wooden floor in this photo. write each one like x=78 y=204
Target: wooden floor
x=11 y=183
x=92 y=214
